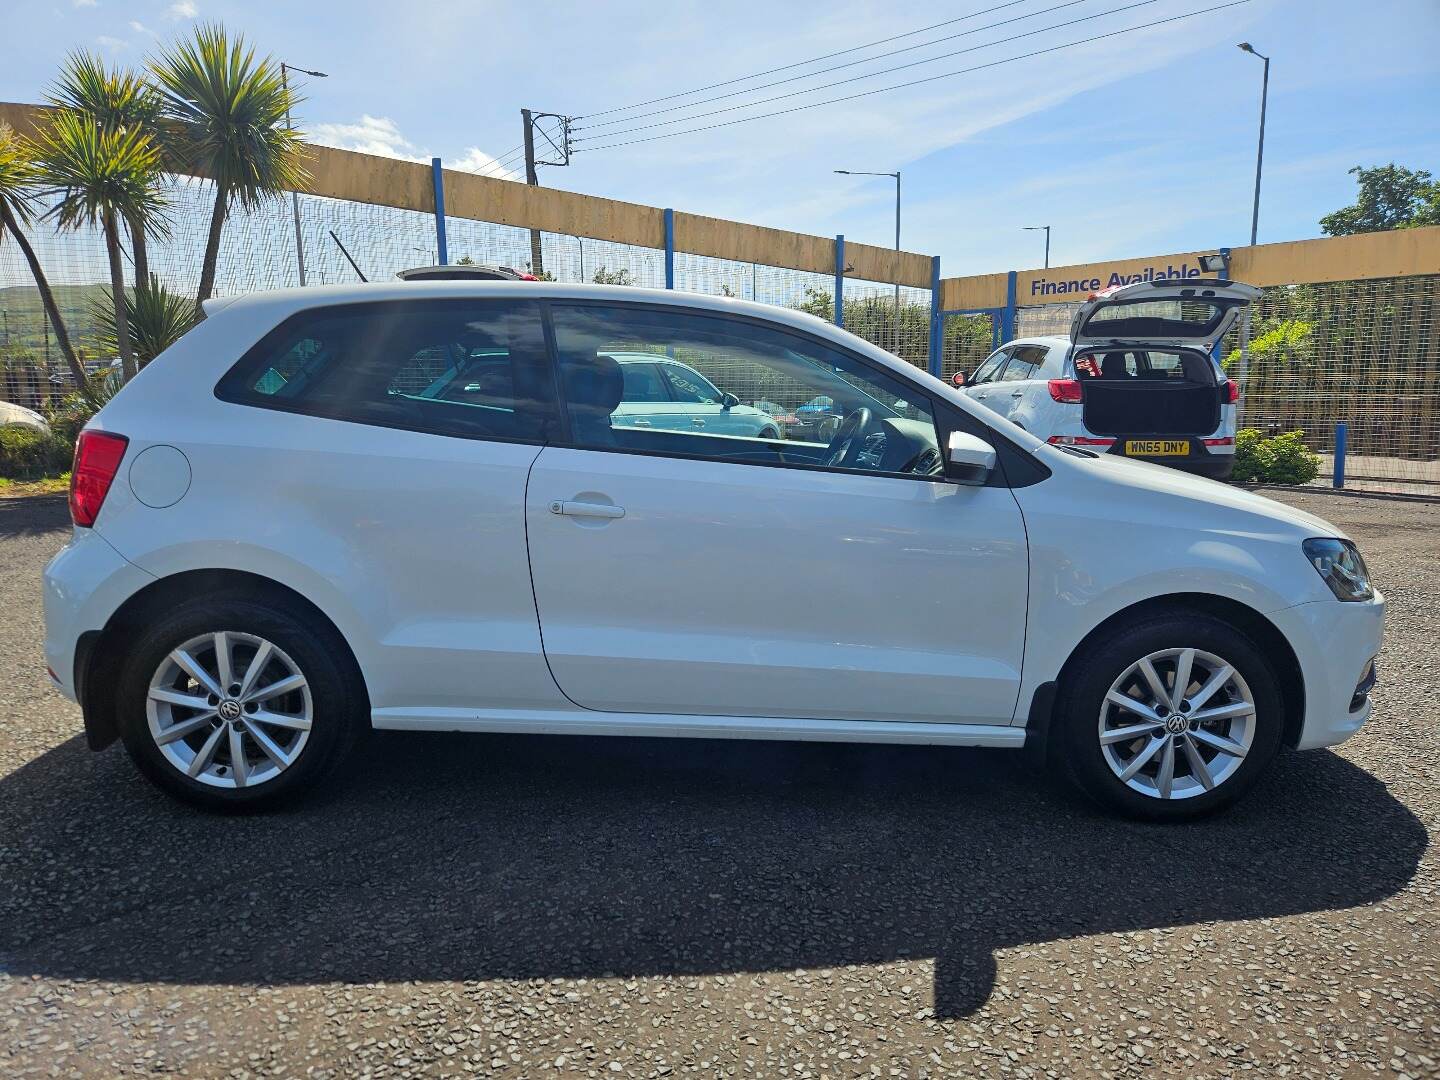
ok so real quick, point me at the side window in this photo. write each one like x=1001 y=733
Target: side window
x=835 y=411
x=468 y=368
x=690 y=386
x=990 y=368
x=642 y=381
x=1024 y=363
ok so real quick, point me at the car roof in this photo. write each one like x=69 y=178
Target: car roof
x=641 y=358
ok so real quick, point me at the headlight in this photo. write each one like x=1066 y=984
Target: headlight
x=1340 y=564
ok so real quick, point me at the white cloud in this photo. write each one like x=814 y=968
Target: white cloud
x=83 y=3
x=377 y=135
x=381 y=136
x=141 y=28
x=111 y=44
x=182 y=9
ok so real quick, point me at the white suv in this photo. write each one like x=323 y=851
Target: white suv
x=285 y=536
x=1135 y=378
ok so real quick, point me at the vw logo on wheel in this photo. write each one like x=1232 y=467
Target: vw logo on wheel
x=229 y=709
x=1175 y=724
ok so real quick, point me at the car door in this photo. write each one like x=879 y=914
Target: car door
x=646 y=402
x=698 y=574
x=1018 y=380
x=702 y=401
x=982 y=384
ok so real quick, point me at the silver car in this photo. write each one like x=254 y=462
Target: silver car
x=667 y=395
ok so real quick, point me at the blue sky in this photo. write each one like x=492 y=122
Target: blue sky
x=1142 y=144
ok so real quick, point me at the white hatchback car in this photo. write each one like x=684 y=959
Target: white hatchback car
x=285 y=537
x=1135 y=378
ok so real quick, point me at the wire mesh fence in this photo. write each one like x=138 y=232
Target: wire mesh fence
x=965 y=341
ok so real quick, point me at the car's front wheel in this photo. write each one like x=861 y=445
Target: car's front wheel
x=232 y=705
x=1173 y=718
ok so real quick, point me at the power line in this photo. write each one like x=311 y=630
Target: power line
x=874 y=74
x=838 y=67
x=799 y=63
x=927 y=79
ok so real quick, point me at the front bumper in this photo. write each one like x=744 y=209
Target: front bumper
x=84 y=584
x=1335 y=642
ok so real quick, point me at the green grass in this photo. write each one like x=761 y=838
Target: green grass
x=25 y=318
x=19 y=489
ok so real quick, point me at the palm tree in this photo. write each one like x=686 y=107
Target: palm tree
x=99 y=177
x=227 y=111
x=19 y=183
x=117 y=100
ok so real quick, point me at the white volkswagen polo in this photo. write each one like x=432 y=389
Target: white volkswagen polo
x=284 y=536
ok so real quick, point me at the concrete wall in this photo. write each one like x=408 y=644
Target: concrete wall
x=407 y=185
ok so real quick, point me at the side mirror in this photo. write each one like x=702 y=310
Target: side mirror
x=970 y=459
x=729 y=401
x=961 y=378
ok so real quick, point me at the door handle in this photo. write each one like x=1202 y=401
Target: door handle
x=641 y=422
x=697 y=421
x=1018 y=393
x=571 y=508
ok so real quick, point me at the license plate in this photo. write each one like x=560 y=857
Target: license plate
x=1157 y=447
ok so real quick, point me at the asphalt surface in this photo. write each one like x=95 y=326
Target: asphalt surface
x=523 y=906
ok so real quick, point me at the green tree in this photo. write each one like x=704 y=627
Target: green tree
x=1391 y=197
x=19 y=184
x=117 y=100
x=101 y=177
x=227 y=109
x=157 y=319
x=613 y=277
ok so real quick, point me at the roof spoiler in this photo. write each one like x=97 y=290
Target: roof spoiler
x=216 y=303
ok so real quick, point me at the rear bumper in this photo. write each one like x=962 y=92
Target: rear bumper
x=84 y=584
x=1218 y=463
x=1336 y=643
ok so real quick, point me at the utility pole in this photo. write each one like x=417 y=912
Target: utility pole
x=295 y=196
x=1243 y=370
x=537 y=266
x=1037 y=228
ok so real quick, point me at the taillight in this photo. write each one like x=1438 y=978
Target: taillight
x=97 y=460
x=1232 y=391
x=1065 y=390
x=1078 y=440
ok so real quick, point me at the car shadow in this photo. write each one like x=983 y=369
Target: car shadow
x=469 y=858
x=32 y=515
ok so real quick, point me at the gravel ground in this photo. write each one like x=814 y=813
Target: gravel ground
x=609 y=907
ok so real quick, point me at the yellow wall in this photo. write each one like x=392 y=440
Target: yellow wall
x=407 y=185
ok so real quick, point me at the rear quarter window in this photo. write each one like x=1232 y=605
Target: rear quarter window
x=465 y=368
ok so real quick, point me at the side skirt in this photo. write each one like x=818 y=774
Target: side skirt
x=656 y=725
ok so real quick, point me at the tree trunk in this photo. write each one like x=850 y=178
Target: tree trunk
x=117 y=290
x=47 y=298
x=140 y=250
x=212 y=249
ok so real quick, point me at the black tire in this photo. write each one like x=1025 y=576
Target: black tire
x=338 y=711
x=1075 y=748
x=770 y=433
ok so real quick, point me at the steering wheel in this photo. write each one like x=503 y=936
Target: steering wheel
x=845 y=442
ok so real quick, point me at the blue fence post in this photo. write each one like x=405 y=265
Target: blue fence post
x=937 y=323
x=1340 y=439
x=840 y=280
x=437 y=174
x=1007 y=318
x=669 y=248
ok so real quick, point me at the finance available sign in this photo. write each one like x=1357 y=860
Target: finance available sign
x=1074 y=283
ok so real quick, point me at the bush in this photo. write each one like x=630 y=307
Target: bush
x=30 y=455
x=1274 y=459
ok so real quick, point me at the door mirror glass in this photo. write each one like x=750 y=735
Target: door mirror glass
x=961 y=378
x=969 y=459
x=729 y=401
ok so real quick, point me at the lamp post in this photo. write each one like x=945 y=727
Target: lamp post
x=1244 y=366
x=429 y=252
x=896 y=175
x=285 y=69
x=1037 y=228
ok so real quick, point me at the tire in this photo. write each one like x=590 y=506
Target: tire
x=769 y=433
x=1084 y=710
x=329 y=699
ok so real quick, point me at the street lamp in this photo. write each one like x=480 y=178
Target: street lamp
x=1037 y=228
x=428 y=252
x=285 y=69
x=896 y=175
x=1244 y=367
x=1245 y=46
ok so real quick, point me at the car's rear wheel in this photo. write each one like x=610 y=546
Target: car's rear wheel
x=231 y=705
x=1173 y=718
x=770 y=433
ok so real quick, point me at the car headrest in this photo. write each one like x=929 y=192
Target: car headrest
x=594 y=384
x=1113 y=366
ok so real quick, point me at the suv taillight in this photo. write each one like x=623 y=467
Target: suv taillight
x=97 y=460
x=1065 y=390
x=1232 y=392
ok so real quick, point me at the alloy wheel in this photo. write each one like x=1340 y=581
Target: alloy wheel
x=229 y=709
x=1177 y=723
